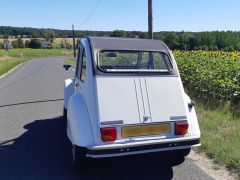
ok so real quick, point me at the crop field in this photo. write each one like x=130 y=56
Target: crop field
x=211 y=75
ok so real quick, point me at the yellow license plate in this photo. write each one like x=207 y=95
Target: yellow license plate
x=144 y=130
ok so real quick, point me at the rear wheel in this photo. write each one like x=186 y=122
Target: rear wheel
x=64 y=113
x=79 y=156
x=181 y=152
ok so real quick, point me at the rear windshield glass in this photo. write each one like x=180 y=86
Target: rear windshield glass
x=134 y=61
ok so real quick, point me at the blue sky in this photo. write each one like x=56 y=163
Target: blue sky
x=169 y=15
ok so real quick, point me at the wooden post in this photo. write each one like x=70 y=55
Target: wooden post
x=150 y=20
x=74 y=44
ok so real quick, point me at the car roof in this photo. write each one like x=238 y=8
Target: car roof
x=113 y=43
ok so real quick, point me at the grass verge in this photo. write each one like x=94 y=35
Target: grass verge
x=220 y=139
x=7 y=63
x=27 y=52
x=71 y=61
x=14 y=57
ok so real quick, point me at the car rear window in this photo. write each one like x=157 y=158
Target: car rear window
x=134 y=61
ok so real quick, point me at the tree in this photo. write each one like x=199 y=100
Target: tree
x=171 y=39
x=35 y=44
x=49 y=35
x=118 y=33
x=6 y=36
x=182 y=41
x=27 y=43
x=192 y=43
x=20 y=43
x=1 y=45
x=143 y=35
x=14 y=44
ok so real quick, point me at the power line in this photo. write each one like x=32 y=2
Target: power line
x=91 y=13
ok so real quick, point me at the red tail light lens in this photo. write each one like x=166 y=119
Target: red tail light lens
x=109 y=134
x=181 y=128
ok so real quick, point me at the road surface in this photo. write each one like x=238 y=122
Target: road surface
x=33 y=142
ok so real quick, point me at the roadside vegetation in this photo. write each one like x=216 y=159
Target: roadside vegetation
x=13 y=57
x=71 y=61
x=213 y=80
x=220 y=129
x=211 y=75
x=7 y=63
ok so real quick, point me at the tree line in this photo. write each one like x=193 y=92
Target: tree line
x=40 y=33
x=212 y=40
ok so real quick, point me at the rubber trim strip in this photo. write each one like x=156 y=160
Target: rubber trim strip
x=145 y=147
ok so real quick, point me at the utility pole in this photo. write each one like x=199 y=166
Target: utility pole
x=150 y=20
x=74 y=45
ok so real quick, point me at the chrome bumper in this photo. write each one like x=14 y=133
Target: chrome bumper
x=166 y=146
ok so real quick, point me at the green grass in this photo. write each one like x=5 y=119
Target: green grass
x=7 y=63
x=220 y=139
x=26 y=52
x=13 y=57
x=71 y=61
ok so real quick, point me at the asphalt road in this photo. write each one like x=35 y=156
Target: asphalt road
x=33 y=141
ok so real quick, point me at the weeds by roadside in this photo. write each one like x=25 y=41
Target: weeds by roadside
x=71 y=61
x=220 y=128
x=7 y=63
x=10 y=59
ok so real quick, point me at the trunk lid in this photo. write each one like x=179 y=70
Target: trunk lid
x=135 y=100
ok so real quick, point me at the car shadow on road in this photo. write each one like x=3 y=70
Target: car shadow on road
x=43 y=152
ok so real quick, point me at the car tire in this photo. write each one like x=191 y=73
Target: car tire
x=79 y=157
x=64 y=113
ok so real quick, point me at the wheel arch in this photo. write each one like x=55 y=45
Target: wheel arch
x=79 y=128
x=68 y=91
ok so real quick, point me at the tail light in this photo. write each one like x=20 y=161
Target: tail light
x=109 y=134
x=181 y=128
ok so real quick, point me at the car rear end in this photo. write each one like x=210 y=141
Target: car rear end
x=141 y=108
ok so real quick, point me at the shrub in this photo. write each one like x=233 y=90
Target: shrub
x=26 y=43
x=35 y=44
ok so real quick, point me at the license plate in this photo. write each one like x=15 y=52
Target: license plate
x=144 y=130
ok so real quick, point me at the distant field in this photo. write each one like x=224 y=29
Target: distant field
x=27 y=52
x=56 y=41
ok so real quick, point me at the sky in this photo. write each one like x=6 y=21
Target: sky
x=168 y=15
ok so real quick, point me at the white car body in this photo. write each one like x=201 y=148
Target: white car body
x=124 y=100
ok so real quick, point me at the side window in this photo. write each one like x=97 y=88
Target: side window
x=83 y=66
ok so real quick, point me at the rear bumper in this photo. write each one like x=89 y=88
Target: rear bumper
x=122 y=151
